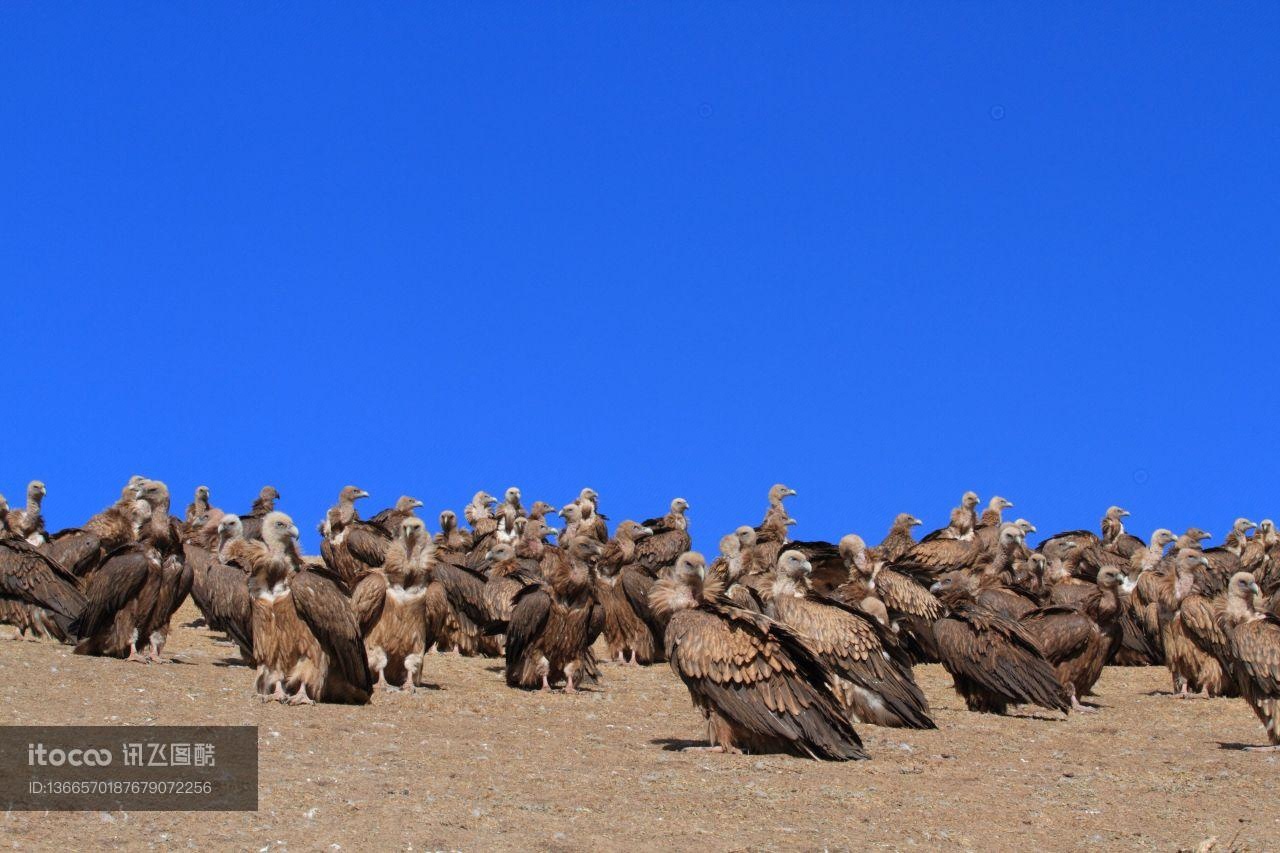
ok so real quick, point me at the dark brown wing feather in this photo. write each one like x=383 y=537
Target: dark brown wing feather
x=368 y=599
x=328 y=613
x=528 y=618
x=998 y=655
x=111 y=587
x=29 y=577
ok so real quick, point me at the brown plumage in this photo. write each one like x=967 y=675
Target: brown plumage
x=1195 y=646
x=264 y=504
x=898 y=541
x=627 y=636
x=306 y=637
x=37 y=596
x=507 y=577
x=992 y=659
x=220 y=587
x=350 y=546
x=1254 y=641
x=389 y=519
x=728 y=569
x=755 y=681
x=910 y=608
x=554 y=622
x=670 y=538
x=28 y=523
x=928 y=559
x=868 y=673
x=1078 y=641
x=963 y=521
x=404 y=628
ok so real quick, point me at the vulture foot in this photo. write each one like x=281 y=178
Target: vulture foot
x=721 y=749
x=135 y=657
x=301 y=697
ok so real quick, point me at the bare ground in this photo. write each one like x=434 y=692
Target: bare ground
x=475 y=765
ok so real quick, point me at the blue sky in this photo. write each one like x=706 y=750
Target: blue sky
x=881 y=253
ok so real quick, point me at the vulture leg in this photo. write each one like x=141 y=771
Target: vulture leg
x=301 y=697
x=719 y=749
x=633 y=658
x=278 y=695
x=1076 y=707
x=570 y=670
x=134 y=656
x=413 y=672
x=546 y=685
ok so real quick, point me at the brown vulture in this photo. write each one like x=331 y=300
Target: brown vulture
x=132 y=595
x=1254 y=639
x=220 y=586
x=670 y=537
x=992 y=659
x=306 y=637
x=28 y=523
x=1196 y=649
x=627 y=636
x=509 y=511
x=728 y=569
x=593 y=524
x=963 y=521
x=898 y=541
x=37 y=595
x=264 y=504
x=774 y=526
x=1078 y=641
x=910 y=608
x=507 y=578
x=389 y=519
x=755 y=681
x=350 y=546
x=868 y=672
x=554 y=622
x=405 y=627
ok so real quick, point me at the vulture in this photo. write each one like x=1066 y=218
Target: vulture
x=910 y=608
x=405 y=626
x=728 y=569
x=509 y=511
x=626 y=635
x=755 y=680
x=1078 y=641
x=866 y=669
x=572 y=515
x=507 y=578
x=554 y=622
x=775 y=516
x=593 y=524
x=131 y=596
x=451 y=538
x=1254 y=640
x=28 y=523
x=220 y=586
x=898 y=541
x=1224 y=561
x=1197 y=650
x=350 y=546
x=484 y=527
x=932 y=557
x=264 y=504
x=389 y=519
x=306 y=637
x=963 y=521
x=991 y=522
x=116 y=525
x=198 y=509
x=37 y=595
x=670 y=537
x=992 y=659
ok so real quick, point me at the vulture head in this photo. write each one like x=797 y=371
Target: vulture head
x=854 y=553
x=730 y=547
x=684 y=588
x=999 y=504
x=953 y=588
x=795 y=567
x=1266 y=531
x=1161 y=537
x=571 y=513
x=1242 y=526
x=969 y=500
x=689 y=566
x=746 y=536
x=1244 y=588
x=1110 y=577
x=906 y=521
x=790 y=522
x=407 y=504
x=584 y=552
x=588 y=495
x=411 y=529
x=679 y=506
x=230 y=527
x=155 y=493
x=1036 y=564
x=1025 y=526
x=134 y=484
x=35 y=492
x=512 y=496
x=1011 y=535
x=630 y=530
x=1115 y=513
x=779 y=493
x=535 y=530
x=541 y=508
x=268 y=495
x=500 y=553
x=483 y=498
x=448 y=521
x=351 y=494
x=279 y=532
x=1195 y=535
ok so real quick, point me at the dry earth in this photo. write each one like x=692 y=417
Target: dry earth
x=475 y=765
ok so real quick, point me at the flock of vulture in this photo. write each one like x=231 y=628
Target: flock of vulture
x=783 y=645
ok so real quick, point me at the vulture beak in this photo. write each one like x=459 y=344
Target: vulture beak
x=1250 y=526
x=293 y=532
x=644 y=531
x=1203 y=561
x=488 y=555
x=1255 y=589
x=790 y=522
x=1124 y=513
x=916 y=521
x=417 y=503
x=550 y=531
x=791 y=492
x=362 y=494
x=808 y=567
x=936 y=588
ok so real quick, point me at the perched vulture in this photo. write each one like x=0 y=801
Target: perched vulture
x=898 y=541
x=350 y=546
x=1078 y=641
x=1254 y=639
x=670 y=538
x=773 y=529
x=37 y=595
x=991 y=522
x=627 y=636
x=930 y=558
x=755 y=681
x=509 y=511
x=220 y=587
x=306 y=638
x=405 y=628
x=728 y=569
x=994 y=662
x=507 y=578
x=593 y=524
x=28 y=523
x=554 y=622
x=389 y=519
x=198 y=509
x=963 y=521
x=910 y=608
x=451 y=538
x=264 y=504
x=1197 y=650
x=867 y=670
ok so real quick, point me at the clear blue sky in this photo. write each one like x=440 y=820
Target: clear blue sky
x=882 y=253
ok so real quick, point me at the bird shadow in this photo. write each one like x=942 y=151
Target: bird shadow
x=495 y=669
x=676 y=744
x=1238 y=747
x=1159 y=692
x=198 y=622
x=231 y=662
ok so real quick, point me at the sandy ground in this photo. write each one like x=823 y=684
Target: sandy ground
x=475 y=765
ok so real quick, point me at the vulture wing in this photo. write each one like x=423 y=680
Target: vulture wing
x=1060 y=632
x=226 y=594
x=367 y=600
x=900 y=593
x=30 y=577
x=79 y=551
x=466 y=591
x=998 y=654
x=759 y=676
x=528 y=618
x=368 y=543
x=1255 y=645
x=111 y=587
x=328 y=613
